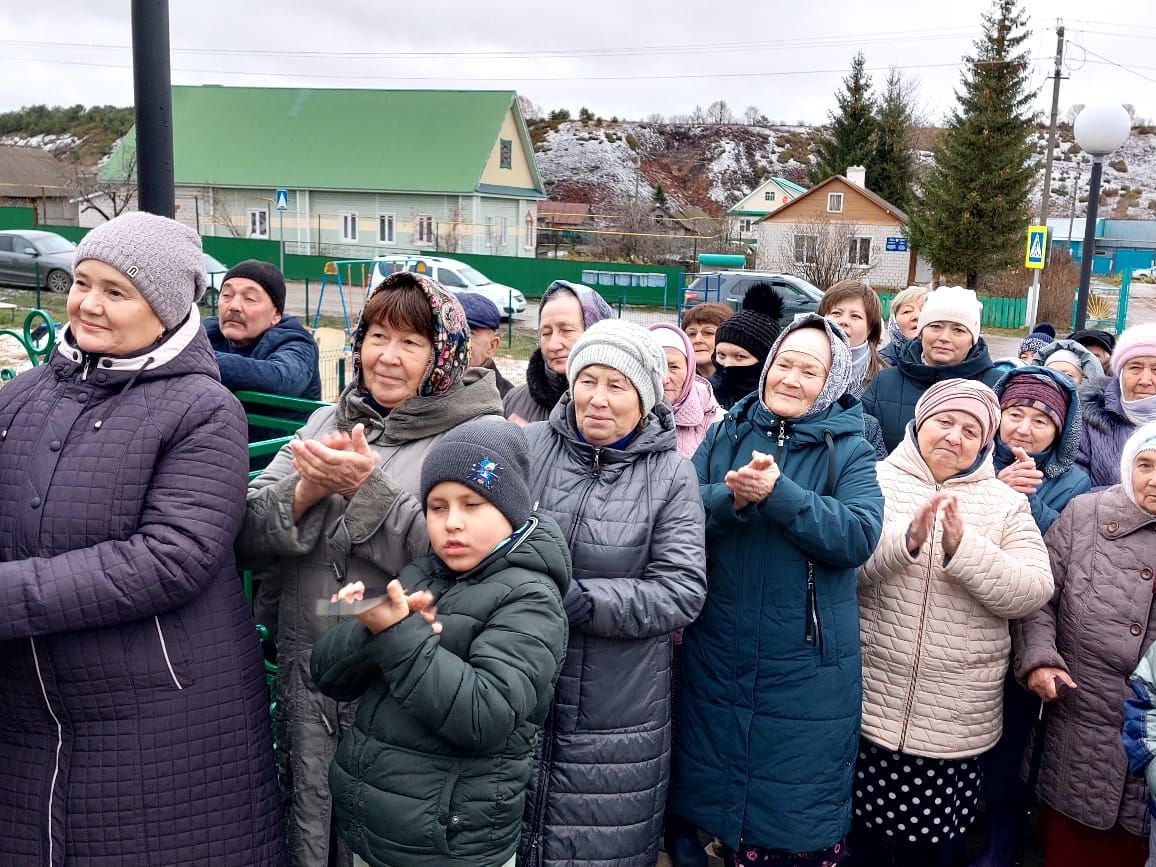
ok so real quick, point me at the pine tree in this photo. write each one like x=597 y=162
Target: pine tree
x=660 y=199
x=894 y=160
x=849 y=141
x=970 y=216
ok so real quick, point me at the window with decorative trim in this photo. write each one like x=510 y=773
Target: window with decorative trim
x=835 y=203
x=769 y=195
x=859 y=252
x=531 y=239
x=423 y=229
x=505 y=153
x=806 y=249
x=386 y=229
x=258 y=223
x=349 y=228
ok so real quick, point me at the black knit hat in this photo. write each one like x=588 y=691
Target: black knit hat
x=487 y=455
x=264 y=275
x=756 y=327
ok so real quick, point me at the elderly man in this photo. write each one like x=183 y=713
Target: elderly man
x=258 y=348
x=484 y=320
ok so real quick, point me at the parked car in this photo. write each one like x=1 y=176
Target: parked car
x=730 y=287
x=216 y=269
x=1144 y=275
x=30 y=254
x=454 y=275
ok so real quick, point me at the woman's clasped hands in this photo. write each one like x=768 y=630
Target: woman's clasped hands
x=754 y=482
x=946 y=506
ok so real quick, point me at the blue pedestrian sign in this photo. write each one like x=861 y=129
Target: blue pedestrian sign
x=282 y=199
x=897 y=244
x=1037 y=247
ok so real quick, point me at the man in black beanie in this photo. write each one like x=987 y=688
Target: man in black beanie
x=258 y=348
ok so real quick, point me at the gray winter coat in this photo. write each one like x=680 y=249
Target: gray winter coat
x=311 y=559
x=1106 y=429
x=1097 y=627
x=134 y=724
x=634 y=522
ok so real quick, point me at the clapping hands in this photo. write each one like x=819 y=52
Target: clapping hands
x=924 y=519
x=334 y=463
x=394 y=607
x=754 y=482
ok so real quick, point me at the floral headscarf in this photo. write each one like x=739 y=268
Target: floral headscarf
x=450 y=358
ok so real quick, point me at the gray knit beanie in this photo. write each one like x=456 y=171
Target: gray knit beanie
x=487 y=455
x=628 y=348
x=160 y=256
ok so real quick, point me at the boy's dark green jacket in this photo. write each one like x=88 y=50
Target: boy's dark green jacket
x=435 y=767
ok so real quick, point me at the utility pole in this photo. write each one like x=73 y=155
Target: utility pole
x=1034 y=292
x=154 y=107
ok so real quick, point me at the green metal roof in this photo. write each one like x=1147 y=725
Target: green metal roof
x=427 y=141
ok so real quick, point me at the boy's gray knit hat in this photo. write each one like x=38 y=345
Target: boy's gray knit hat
x=488 y=455
x=628 y=348
x=161 y=257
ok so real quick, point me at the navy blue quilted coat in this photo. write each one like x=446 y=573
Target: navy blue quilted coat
x=133 y=719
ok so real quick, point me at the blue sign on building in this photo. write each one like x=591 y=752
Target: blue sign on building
x=281 y=196
x=897 y=244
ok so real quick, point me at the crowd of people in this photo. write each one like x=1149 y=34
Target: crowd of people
x=794 y=592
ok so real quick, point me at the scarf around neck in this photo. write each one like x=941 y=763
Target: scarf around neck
x=1139 y=411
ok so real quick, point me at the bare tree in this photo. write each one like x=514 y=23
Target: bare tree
x=112 y=196
x=719 y=112
x=698 y=115
x=824 y=252
x=219 y=215
x=1072 y=113
x=655 y=117
x=450 y=232
x=529 y=110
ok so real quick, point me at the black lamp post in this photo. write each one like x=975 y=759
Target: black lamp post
x=154 y=107
x=1099 y=130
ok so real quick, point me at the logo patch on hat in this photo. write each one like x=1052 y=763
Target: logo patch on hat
x=486 y=472
x=132 y=271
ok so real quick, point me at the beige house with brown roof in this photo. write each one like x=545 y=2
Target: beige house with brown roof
x=31 y=177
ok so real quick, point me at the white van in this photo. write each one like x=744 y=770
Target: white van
x=454 y=275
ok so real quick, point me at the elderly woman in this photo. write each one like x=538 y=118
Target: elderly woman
x=1070 y=358
x=316 y=510
x=1115 y=406
x=960 y=556
x=743 y=342
x=948 y=347
x=605 y=468
x=135 y=727
x=565 y=311
x=1100 y=343
x=854 y=307
x=903 y=321
x=1039 y=432
x=768 y=704
x=688 y=394
x=1089 y=639
x=1032 y=344
x=701 y=323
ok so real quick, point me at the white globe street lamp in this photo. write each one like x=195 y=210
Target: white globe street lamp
x=1099 y=130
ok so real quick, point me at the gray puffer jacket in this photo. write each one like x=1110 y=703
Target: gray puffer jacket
x=1097 y=627
x=310 y=560
x=634 y=522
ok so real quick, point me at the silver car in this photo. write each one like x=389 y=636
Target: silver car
x=30 y=254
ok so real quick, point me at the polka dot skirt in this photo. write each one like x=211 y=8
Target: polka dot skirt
x=915 y=799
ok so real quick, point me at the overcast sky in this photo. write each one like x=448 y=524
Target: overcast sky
x=629 y=58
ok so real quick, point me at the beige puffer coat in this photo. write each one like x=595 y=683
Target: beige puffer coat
x=1100 y=622
x=935 y=637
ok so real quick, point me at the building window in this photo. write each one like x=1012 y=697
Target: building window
x=423 y=232
x=746 y=225
x=531 y=240
x=505 y=153
x=386 y=229
x=769 y=195
x=490 y=232
x=835 y=203
x=258 y=223
x=349 y=228
x=806 y=249
x=504 y=233
x=859 y=253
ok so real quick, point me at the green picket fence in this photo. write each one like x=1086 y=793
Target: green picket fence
x=997 y=312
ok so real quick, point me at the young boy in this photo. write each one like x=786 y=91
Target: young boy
x=434 y=769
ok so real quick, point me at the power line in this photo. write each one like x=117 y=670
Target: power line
x=1111 y=62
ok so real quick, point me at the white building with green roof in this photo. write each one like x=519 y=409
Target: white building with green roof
x=368 y=172
x=766 y=198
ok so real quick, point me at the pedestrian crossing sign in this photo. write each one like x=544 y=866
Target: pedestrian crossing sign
x=282 y=199
x=1037 y=245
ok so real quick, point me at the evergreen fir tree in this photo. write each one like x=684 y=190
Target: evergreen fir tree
x=970 y=216
x=660 y=197
x=894 y=160
x=849 y=141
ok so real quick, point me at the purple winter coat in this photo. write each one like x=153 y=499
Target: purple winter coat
x=134 y=727
x=1106 y=429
